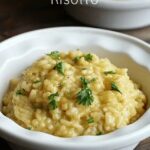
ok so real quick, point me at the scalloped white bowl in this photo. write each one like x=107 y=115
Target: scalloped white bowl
x=19 y=52
x=113 y=14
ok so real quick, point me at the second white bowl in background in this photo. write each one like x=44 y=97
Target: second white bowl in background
x=113 y=14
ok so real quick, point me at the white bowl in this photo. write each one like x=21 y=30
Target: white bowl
x=114 y=14
x=19 y=52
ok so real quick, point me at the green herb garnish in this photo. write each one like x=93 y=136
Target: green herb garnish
x=61 y=85
x=109 y=72
x=77 y=58
x=88 y=57
x=84 y=82
x=60 y=68
x=84 y=96
x=36 y=81
x=52 y=101
x=90 y=120
x=29 y=128
x=21 y=92
x=115 y=87
x=99 y=133
x=93 y=80
x=84 y=68
x=54 y=54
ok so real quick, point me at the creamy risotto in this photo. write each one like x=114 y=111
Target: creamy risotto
x=73 y=94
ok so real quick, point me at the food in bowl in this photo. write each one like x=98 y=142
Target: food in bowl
x=73 y=94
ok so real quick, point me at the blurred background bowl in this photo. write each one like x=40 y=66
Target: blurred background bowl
x=113 y=14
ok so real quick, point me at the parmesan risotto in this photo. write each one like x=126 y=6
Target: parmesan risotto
x=73 y=94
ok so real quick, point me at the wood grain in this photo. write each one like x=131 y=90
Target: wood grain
x=18 y=16
x=24 y=15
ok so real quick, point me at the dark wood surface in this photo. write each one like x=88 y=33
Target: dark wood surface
x=18 y=16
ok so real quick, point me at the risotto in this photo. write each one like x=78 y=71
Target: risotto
x=73 y=94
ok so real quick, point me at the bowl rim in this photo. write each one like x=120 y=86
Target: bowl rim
x=118 y=5
x=26 y=138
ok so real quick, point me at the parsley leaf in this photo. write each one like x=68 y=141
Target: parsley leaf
x=83 y=68
x=109 y=72
x=88 y=57
x=85 y=96
x=54 y=54
x=36 y=81
x=60 y=68
x=53 y=104
x=93 y=80
x=90 y=120
x=21 y=92
x=52 y=101
x=115 y=87
x=29 y=128
x=99 y=133
x=84 y=81
x=77 y=58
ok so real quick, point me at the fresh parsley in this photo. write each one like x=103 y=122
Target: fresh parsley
x=52 y=101
x=115 y=87
x=83 y=68
x=109 y=72
x=84 y=82
x=99 y=133
x=29 y=128
x=54 y=55
x=21 y=92
x=93 y=80
x=60 y=67
x=77 y=58
x=36 y=81
x=84 y=96
x=88 y=57
x=90 y=120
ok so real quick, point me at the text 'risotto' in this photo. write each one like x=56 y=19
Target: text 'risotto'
x=73 y=94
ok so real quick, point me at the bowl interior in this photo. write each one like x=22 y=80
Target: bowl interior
x=14 y=67
x=20 y=52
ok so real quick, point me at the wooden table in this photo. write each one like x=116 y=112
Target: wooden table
x=18 y=16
